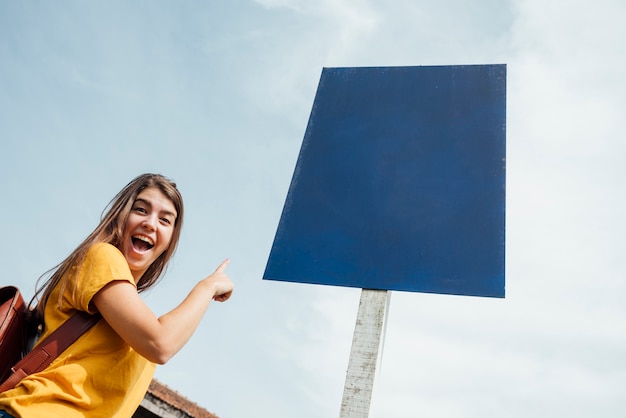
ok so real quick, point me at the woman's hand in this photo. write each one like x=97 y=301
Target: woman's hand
x=220 y=282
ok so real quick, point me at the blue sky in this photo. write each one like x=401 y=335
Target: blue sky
x=217 y=95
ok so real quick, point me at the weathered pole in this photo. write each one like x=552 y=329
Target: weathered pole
x=364 y=355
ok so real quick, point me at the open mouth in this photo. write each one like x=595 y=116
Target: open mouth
x=141 y=243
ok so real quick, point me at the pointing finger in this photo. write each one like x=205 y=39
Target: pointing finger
x=222 y=266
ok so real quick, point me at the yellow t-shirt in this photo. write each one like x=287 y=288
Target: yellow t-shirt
x=97 y=376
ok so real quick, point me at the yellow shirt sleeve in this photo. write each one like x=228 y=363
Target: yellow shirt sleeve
x=102 y=265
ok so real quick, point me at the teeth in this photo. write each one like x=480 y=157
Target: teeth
x=144 y=239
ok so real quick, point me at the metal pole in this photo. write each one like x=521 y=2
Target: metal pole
x=366 y=343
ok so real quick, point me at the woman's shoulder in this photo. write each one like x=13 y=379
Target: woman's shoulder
x=106 y=261
x=102 y=264
x=103 y=249
x=104 y=252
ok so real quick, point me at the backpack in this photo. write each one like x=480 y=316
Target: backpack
x=18 y=332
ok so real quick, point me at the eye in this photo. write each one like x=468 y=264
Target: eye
x=140 y=209
x=166 y=221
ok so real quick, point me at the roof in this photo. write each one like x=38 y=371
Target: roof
x=161 y=401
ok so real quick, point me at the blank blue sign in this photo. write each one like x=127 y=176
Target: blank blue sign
x=400 y=183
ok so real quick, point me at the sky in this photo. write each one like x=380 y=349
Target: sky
x=216 y=95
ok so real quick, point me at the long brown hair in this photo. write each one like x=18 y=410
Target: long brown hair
x=111 y=230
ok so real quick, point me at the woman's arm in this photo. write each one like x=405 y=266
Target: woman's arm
x=158 y=339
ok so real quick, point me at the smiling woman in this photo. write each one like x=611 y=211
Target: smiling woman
x=107 y=371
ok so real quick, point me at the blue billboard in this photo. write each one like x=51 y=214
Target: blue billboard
x=400 y=183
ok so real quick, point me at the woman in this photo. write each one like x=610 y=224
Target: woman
x=107 y=371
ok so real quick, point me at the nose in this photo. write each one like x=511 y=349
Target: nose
x=149 y=223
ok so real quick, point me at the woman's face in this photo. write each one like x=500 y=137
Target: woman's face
x=148 y=230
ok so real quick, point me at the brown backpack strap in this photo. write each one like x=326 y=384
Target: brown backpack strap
x=50 y=348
